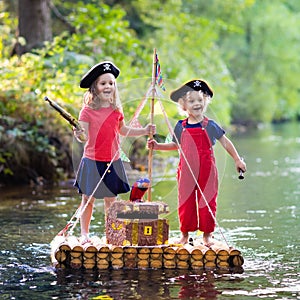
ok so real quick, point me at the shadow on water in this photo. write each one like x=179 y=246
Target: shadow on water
x=259 y=215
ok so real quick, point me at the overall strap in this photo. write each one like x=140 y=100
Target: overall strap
x=205 y=122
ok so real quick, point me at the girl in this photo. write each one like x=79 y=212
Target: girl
x=197 y=174
x=102 y=120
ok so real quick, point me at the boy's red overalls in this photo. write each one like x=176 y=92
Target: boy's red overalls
x=197 y=149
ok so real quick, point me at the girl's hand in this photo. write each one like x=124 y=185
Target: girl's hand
x=150 y=129
x=80 y=134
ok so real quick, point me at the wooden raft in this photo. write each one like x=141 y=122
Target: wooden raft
x=69 y=253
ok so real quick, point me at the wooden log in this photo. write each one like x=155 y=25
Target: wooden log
x=89 y=251
x=156 y=263
x=197 y=264
x=103 y=252
x=130 y=263
x=60 y=256
x=74 y=244
x=221 y=250
x=156 y=253
x=116 y=252
x=210 y=255
x=76 y=263
x=130 y=253
x=210 y=264
x=60 y=266
x=233 y=252
x=182 y=264
x=170 y=253
x=143 y=263
x=222 y=264
x=236 y=260
x=143 y=253
x=55 y=244
x=197 y=254
x=223 y=255
x=102 y=264
x=89 y=263
x=182 y=254
x=117 y=263
x=169 y=263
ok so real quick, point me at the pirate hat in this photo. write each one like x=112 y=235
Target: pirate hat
x=193 y=85
x=97 y=70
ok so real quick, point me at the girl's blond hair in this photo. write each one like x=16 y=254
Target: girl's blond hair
x=92 y=99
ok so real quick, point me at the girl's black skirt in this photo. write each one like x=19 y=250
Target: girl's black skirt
x=90 y=172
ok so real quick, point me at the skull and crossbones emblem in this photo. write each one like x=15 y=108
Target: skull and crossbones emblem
x=197 y=83
x=106 y=67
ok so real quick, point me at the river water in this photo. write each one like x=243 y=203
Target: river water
x=258 y=215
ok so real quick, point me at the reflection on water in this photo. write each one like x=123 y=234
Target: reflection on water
x=259 y=215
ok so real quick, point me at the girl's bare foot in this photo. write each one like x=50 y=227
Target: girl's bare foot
x=84 y=239
x=208 y=239
x=184 y=238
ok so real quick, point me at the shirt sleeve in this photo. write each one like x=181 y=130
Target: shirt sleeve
x=177 y=132
x=83 y=115
x=215 y=132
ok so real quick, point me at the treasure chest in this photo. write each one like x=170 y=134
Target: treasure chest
x=137 y=224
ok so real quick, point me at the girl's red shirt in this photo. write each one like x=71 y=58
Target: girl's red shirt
x=103 y=142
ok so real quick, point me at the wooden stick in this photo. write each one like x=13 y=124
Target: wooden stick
x=150 y=155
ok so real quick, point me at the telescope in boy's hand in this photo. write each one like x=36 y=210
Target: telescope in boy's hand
x=67 y=116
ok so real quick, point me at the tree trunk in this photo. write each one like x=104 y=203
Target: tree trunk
x=34 y=24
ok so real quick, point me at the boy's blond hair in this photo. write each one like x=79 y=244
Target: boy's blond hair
x=203 y=96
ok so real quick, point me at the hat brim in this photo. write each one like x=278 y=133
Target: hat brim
x=96 y=71
x=190 y=86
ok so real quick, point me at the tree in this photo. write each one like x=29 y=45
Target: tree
x=34 y=25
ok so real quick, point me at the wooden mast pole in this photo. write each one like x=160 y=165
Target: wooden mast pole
x=150 y=155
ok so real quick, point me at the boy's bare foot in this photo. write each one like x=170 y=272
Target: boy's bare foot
x=184 y=238
x=208 y=239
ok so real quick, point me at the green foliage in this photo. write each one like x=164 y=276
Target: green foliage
x=264 y=63
x=246 y=49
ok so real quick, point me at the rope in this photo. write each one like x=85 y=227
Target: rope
x=190 y=169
